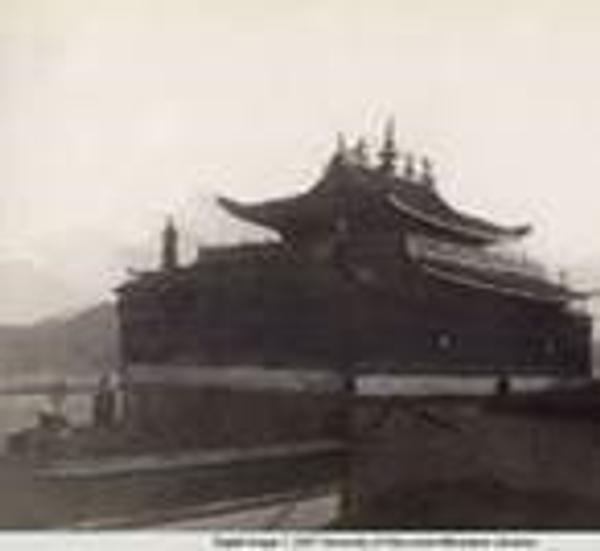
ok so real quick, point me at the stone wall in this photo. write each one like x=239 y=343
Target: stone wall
x=408 y=447
x=228 y=418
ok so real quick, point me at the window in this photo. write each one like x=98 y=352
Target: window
x=444 y=340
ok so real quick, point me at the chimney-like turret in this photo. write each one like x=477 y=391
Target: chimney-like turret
x=170 y=238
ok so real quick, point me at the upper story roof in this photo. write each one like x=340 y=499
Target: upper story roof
x=354 y=193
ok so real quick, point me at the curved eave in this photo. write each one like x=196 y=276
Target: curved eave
x=264 y=214
x=316 y=207
x=284 y=215
x=480 y=234
x=556 y=296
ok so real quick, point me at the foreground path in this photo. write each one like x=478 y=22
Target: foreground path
x=313 y=513
x=144 y=490
x=277 y=511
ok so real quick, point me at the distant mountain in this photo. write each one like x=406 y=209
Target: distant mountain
x=48 y=281
x=83 y=344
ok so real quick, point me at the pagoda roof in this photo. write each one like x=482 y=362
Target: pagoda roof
x=348 y=189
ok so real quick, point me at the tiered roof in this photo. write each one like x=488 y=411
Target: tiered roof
x=351 y=189
x=376 y=197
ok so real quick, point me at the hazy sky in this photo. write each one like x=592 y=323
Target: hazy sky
x=115 y=113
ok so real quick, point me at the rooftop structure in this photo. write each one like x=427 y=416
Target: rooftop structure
x=357 y=199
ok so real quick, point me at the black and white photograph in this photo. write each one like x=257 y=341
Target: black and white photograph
x=302 y=267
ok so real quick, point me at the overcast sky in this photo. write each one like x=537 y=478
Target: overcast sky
x=115 y=113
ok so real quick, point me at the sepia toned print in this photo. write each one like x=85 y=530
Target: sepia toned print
x=298 y=266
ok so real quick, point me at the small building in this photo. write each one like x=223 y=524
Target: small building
x=374 y=273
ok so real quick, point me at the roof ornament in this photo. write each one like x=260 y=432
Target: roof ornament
x=409 y=166
x=388 y=152
x=427 y=176
x=360 y=153
x=341 y=151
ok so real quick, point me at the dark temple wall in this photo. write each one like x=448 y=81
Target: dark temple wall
x=272 y=306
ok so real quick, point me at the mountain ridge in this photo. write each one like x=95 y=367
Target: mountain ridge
x=85 y=343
